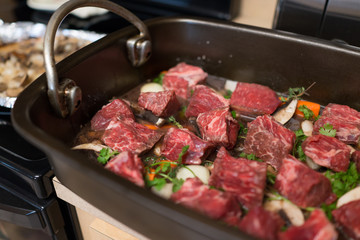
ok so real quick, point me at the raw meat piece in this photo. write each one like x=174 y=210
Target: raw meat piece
x=243 y=178
x=342 y=112
x=174 y=141
x=316 y=227
x=327 y=152
x=355 y=157
x=204 y=99
x=161 y=104
x=261 y=223
x=182 y=79
x=219 y=127
x=302 y=185
x=128 y=166
x=254 y=99
x=128 y=135
x=268 y=140
x=346 y=132
x=211 y=202
x=114 y=109
x=347 y=218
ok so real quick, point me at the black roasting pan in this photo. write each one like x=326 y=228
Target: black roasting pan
x=102 y=70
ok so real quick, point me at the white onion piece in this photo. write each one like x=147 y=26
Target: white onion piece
x=307 y=126
x=200 y=171
x=90 y=146
x=292 y=211
x=230 y=85
x=285 y=114
x=165 y=192
x=151 y=87
x=312 y=164
x=350 y=196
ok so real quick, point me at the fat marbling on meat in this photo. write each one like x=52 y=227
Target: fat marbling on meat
x=219 y=127
x=302 y=185
x=211 y=202
x=174 y=141
x=268 y=140
x=114 y=109
x=342 y=112
x=183 y=78
x=316 y=227
x=254 y=99
x=347 y=217
x=203 y=100
x=128 y=135
x=328 y=152
x=161 y=104
x=243 y=178
x=128 y=166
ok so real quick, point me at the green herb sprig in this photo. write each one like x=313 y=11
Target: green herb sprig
x=250 y=157
x=176 y=123
x=308 y=113
x=105 y=155
x=159 y=78
x=297 y=149
x=328 y=130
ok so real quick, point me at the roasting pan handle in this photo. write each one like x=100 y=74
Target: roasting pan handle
x=66 y=97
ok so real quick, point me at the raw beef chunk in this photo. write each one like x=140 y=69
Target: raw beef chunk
x=346 y=132
x=128 y=166
x=117 y=108
x=204 y=99
x=342 y=112
x=254 y=99
x=327 y=152
x=161 y=104
x=243 y=178
x=211 y=202
x=218 y=127
x=174 y=141
x=302 y=185
x=317 y=226
x=128 y=135
x=355 y=157
x=261 y=223
x=347 y=218
x=268 y=140
x=182 y=79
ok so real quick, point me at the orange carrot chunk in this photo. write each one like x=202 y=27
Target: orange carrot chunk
x=314 y=107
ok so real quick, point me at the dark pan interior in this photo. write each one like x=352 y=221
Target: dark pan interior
x=241 y=53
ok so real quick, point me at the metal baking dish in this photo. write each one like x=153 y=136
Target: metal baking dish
x=102 y=70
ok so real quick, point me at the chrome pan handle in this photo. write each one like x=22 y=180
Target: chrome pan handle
x=65 y=97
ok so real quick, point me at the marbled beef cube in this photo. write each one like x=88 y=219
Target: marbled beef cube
x=128 y=166
x=203 y=100
x=355 y=157
x=269 y=140
x=114 y=109
x=317 y=226
x=253 y=99
x=243 y=178
x=219 y=127
x=161 y=104
x=211 y=202
x=128 y=135
x=261 y=223
x=327 y=152
x=182 y=79
x=302 y=185
x=347 y=217
x=342 y=112
x=346 y=132
x=174 y=141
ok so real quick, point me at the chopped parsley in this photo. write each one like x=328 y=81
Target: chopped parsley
x=328 y=209
x=327 y=130
x=228 y=94
x=105 y=155
x=250 y=157
x=159 y=78
x=233 y=114
x=308 y=113
x=297 y=149
x=176 y=123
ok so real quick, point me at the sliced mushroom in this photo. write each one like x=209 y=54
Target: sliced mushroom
x=165 y=191
x=293 y=212
x=90 y=146
x=307 y=126
x=350 y=196
x=151 y=87
x=191 y=171
x=285 y=114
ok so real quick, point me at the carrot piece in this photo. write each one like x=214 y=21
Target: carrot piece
x=151 y=126
x=314 y=107
x=151 y=174
x=171 y=164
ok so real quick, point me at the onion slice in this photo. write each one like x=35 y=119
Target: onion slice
x=307 y=126
x=350 y=196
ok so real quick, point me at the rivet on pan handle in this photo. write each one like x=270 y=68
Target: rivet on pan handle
x=66 y=96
